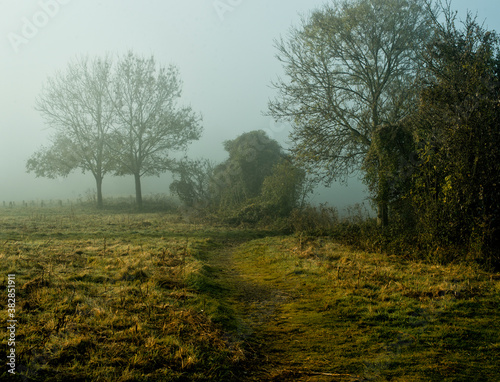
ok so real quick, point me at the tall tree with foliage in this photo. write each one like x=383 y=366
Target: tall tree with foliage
x=251 y=159
x=77 y=106
x=456 y=189
x=350 y=70
x=149 y=123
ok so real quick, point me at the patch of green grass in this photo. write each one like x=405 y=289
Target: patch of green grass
x=370 y=315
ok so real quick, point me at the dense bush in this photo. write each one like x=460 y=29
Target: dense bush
x=455 y=189
x=283 y=190
x=192 y=180
x=252 y=157
x=258 y=183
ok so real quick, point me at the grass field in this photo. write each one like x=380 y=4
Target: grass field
x=336 y=314
x=104 y=297
x=122 y=296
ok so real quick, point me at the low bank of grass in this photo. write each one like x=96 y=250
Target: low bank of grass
x=352 y=315
x=106 y=297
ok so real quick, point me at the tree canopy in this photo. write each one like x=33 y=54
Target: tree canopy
x=456 y=183
x=349 y=71
x=113 y=117
x=76 y=104
x=149 y=125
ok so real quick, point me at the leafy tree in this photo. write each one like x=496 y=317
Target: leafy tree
x=76 y=104
x=149 y=124
x=251 y=159
x=284 y=190
x=255 y=153
x=456 y=190
x=350 y=71
x=394 y=146
x=54 y=161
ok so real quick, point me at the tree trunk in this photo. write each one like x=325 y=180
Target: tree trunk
x=98 y=181
x=382 y=200
x=138 y=191
x=382 y=214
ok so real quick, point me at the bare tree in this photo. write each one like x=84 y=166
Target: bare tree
x=350 y=70
x=149 y=124
x=77 y=106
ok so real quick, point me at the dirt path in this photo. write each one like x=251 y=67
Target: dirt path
x=265 y=303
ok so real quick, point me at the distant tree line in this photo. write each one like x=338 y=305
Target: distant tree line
x=394 y=89
x=118 y=118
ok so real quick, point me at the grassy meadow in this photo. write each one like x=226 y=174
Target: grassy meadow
x=105 y=297
x=122 y=296
x=337 y=314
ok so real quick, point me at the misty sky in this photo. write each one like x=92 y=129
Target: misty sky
x=223 y=49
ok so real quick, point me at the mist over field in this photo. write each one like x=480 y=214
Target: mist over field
x=225 y=57
x=236 y=190
x=223 y=49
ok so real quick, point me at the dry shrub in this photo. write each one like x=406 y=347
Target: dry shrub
x=320 y=220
